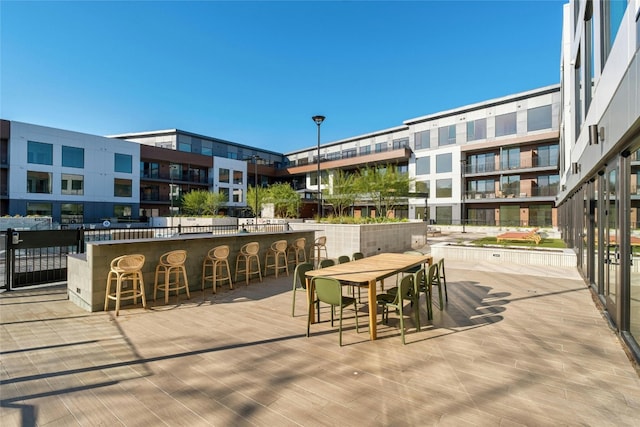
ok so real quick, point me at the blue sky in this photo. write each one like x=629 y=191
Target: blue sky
x=255 y=72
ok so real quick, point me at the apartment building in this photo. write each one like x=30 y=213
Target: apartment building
x=491 y=163
x=599 y=197
x=67 y=175
x=175 y=162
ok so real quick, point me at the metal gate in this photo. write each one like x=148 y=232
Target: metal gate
x=38 y=257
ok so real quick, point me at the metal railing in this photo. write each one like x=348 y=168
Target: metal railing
x=40 y=257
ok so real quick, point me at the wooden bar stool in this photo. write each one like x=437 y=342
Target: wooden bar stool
x=248 y=256
x=297 y=249
x=123 y=269
x=319 y=245
x=171 y=263
x=278 y=253
x=217 y=261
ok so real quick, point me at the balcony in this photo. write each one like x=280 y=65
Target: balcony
x=530 y=165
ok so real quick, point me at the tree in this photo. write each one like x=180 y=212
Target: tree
x=383 y=186
x=251 y=198
x=342 y=194
x=286 y=201
x=201 y=202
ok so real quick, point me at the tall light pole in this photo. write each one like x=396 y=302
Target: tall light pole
x=463 y=167
x=255 y=183
x=319 y=120
x=255 y=158
x=172 y=167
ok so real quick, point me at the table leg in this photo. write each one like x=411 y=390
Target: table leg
x=373 y=311
x=310 y=305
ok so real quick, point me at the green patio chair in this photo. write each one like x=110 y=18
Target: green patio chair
x=343 y=258
x=326 y=263
x=357 y=256
x=443 y=278
x=406 y=290
x=300 y=281
x=433 y=279
x=329 y=291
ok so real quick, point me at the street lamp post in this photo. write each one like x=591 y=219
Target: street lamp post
x=463 y=166
x=319 y=120
x=171 y=169
x=255 y=158
x=255 y=183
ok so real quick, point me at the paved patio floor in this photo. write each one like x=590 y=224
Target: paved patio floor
x=514 y=346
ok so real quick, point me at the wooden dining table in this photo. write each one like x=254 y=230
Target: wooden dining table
x=367 y=271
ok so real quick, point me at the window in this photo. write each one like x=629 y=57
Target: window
x=150 y=193
x=71 y=213
x=400 y=143
x=548 y=155
x=612 y=12
x=237 y=195
x=443 y=163
x=207 y=148
x=72 y=184
x=589 y=52
x=122 y=211
x=480 y=163
x=422 y=165
x=347 y=154
x=444 y=214
x=546 y=185
x=447 y=135
x=443 y=187
x=37 y=208
x=39 y=182
x=422 y=140
x=506 y=124
x=149 y=170
x=510 y=185
x=223 y=175
x=237 y=177
x=381 y=147
x=365 y=150
x=184 y=143
x=539 y=118
x=540 y=216
x=482 y=188
x=510 y=158
x=39 y=153
x=509 y=216
x=72 y=157
x=422 y=187
x=224 y=192
x=123 y=163
x=175 y=171
x=122 y=187
x=477 y=129
x=479 y=216
x=578 y=93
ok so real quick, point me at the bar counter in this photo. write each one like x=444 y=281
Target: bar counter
x=87 y=272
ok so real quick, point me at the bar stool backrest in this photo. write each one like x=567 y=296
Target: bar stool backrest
x=251 y=248
x=219 y=252
x=279 y=246
x=131 y=262
x=174 y=258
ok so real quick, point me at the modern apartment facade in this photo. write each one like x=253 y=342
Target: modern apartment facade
x=491 y=163
x=599 y=197
x=68 y=175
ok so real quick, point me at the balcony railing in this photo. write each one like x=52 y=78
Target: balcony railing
x=523 y=164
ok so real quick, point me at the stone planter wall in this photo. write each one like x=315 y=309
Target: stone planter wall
x=553 y=258
x=370 y=239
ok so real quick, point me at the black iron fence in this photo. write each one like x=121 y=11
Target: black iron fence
x=40 y=257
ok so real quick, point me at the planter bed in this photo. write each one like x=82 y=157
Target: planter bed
x=515 y=255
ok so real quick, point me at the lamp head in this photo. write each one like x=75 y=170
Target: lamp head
x=318 y=119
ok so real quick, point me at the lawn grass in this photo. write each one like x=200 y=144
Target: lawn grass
x=544 y=243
